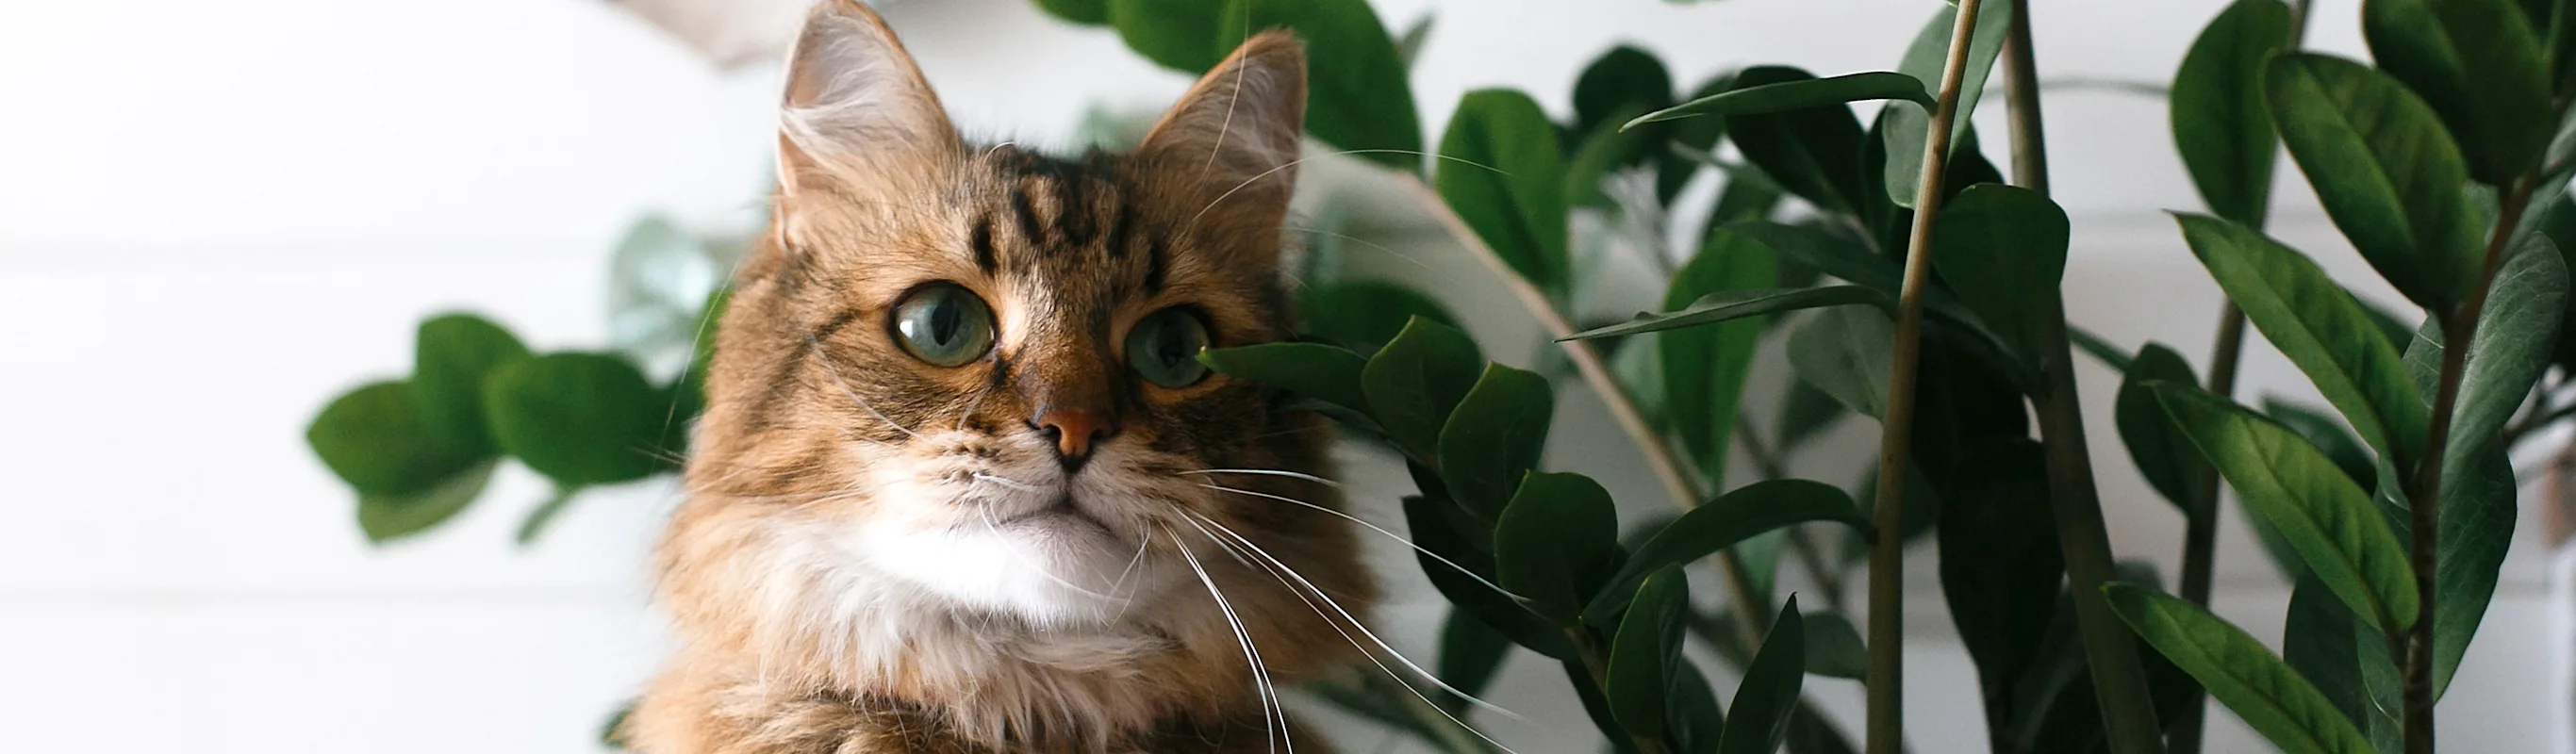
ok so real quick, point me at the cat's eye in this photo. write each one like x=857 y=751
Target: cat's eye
x=1164 y=348
x=944 y=325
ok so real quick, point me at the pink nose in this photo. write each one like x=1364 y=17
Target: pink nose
x=1074 y=430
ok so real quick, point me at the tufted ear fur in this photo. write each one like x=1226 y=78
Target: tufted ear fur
x=857 y=113
x=1235 y=134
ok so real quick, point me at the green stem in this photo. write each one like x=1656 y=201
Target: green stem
x=1886 y=679
x=1811 y=554
x=2459 y=331
x=2119 y=680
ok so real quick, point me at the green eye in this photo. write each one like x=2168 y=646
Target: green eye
x=1164 y=348
x=944 y=325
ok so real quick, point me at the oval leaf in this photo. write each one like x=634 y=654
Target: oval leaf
x=1414 y=381
x=1364 y=314
x=1556 y=543
x=1505 y=177
x=2330 y=520
x=1704 y=369
x=1905 y=128
x=1834 y=647
x=453 y=355
x=1444 y=531
x=577 y=418
x=1314 y=370
x=2239 y=673
x=1844 y=352
x=2481 y=67
x=1768 y=696
x=2220 y=123
x=1471 y=653
x=1813 y=152
x=1643 y=655
x=2163 y=454
x=376 y=439
x=1494 y=437
x=1734 y=517
x=2003 y=249
x=1358 y=97
x=1182 y=35
x=385 y=518
x=2385 y=170
x=1796 y=95
x=2319 y=326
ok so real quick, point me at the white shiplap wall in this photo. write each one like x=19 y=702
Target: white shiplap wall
x=215 y=215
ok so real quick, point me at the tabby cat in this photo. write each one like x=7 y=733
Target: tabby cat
x=961 y=484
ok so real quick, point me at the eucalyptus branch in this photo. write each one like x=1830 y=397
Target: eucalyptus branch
x=2425 y=508
x=1886 y=558
x=1753 y=615
x=2119 y=680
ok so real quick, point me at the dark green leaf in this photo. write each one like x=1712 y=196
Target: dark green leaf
x=2478 y=488
x=1814 y=152
x=1588 y=690
x=1089 y=12
x=2002 y=249
x=1619 y=85
x=2480 y=65
x=1905 y=128
x=1357 y=97
x=1494 y=437
x=1409 y=46
x=1471 y=654
x=1506 y=179
x=1768 y=695
x=2000 y=563
x=1183 y=35
x=1598 y=153
x=376 y=439
x=2239 y=673
x=2220 y=122
x=1697 y=719
x=2329 y=519
x=451 y=358
x=1645 y=652
x=1834 y=647
x=1844 y=352
x=1314 y=370
x=1414 y=381
x=1556 y=543
x=2319 y=326
x=385 y=518
x=1731 y=518
x=2163 y=454
x=2514 y=340
x=1704 y=368
x=1449 y=536
x=1732 y=305
x=1364 y=314
x=2328 y=434
x=1689 y=143
x=1796 y=95
x=1749 y=195
x=2386 y=172
x=577 y=418
x=2325 y=643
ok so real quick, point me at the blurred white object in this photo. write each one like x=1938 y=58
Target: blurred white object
x=729 y=32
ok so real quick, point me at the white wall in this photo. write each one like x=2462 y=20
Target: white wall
x=215 y=215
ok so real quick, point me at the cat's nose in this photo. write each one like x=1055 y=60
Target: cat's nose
x=1074 y=432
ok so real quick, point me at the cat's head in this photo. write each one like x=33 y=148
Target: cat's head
x=973 y=369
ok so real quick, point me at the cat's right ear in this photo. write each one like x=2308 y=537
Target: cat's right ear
x=857 y=113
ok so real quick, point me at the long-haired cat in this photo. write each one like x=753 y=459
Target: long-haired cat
x=961 y=484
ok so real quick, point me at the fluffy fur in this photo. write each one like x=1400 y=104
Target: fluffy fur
x=882 y=555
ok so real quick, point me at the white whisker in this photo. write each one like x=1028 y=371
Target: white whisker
x=1007 y=482
x=1280 y=568
x=1271 y=726
x=1463 y=570
x=826 y=361
x=1270 y=472
x=1229 y=193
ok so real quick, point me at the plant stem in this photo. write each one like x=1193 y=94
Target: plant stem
x=1886 y=678
x=2459 y=331
x=1753 y=615
x=2119 y=681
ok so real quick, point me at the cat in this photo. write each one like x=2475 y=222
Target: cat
x=961 y=484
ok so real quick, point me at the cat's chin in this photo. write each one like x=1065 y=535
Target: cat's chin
x=1055 y=567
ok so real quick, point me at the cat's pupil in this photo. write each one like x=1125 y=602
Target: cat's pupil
x=1168 y=345
x=946 y=319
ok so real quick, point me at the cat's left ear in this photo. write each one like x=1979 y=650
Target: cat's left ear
x=1233 y=138
x=857 y=110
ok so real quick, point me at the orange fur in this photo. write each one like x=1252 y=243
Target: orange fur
x=850 y=574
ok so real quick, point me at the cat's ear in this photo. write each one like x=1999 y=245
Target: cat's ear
x=1235 y=134
x=857 y=110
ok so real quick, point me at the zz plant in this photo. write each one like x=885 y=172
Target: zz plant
x=1916 y=284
